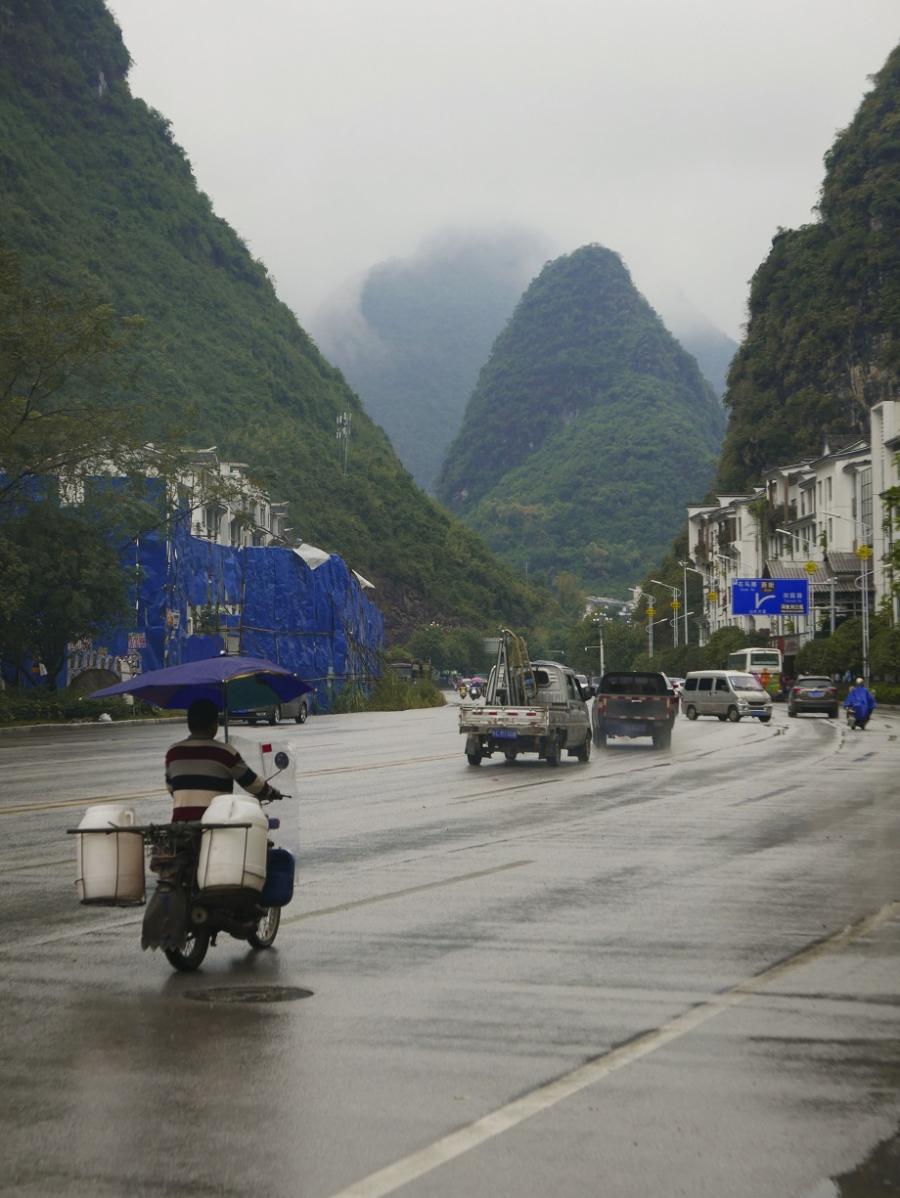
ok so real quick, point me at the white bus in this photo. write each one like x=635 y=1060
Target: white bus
x=764 y=664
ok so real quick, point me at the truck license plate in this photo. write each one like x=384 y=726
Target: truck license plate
x=504 y=733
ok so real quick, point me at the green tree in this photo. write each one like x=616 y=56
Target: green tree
x=58 y=364
x=622 y=642
x=884 y=653
x=70 y=585
x=722 y=642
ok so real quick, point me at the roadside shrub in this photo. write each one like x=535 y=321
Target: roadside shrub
x=43 y=707
x=884 y=652
x=389 y=693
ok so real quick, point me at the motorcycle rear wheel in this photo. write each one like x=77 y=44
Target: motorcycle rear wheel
x=190 y=957
x=266 y=928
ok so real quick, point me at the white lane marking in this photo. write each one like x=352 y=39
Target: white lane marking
x=385 y=1181
x=89 y=929
x=393 y=894
x=114 y=924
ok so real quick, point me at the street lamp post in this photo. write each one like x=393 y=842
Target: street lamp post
x=685 y=567
x=864 y=552
x=600 y=647
x=675 y=606
x=598 y=625
x=650 y=626
x=812 y=586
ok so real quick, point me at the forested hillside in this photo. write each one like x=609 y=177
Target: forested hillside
x=587 y=432
x=97 y=198
x=823 y=338
x=422 y=331
x=713 y=349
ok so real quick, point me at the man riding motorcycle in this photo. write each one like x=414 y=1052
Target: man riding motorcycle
x=861 y=702
x=200 y=767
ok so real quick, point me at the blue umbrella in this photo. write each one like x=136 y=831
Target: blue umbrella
x=232 y=683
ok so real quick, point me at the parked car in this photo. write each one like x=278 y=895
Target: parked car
x=728 y=694
x=677 y=685
x=297 y=710
x=813 y=693
x=586 y=689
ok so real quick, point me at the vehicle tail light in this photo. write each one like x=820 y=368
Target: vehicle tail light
x=795 y=690
x=832 y=691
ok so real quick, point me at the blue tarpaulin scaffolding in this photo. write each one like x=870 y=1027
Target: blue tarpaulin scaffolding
x=262 y=601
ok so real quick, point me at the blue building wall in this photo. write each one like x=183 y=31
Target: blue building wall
x=318 y=623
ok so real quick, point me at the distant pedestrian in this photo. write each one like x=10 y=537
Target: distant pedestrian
x=848 y=676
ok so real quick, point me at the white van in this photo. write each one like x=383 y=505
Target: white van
x=728 y=694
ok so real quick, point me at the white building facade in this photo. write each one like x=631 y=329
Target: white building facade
x=885 y=483
x=809 y=520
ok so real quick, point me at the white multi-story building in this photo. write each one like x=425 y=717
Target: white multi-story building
x=805 y=521
x=725 y=544
x=225 y=507
x=886 y=478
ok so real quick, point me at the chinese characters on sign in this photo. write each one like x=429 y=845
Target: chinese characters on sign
x=769 y=596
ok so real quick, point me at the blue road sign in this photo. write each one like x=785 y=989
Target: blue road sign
x=769 y=596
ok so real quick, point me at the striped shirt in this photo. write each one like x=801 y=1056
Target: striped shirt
x=200 y=767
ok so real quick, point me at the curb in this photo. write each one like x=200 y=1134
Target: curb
x=75 y=726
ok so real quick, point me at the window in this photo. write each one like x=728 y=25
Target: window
x=865 y=503
x=690 y=684
x=721 y=684
x=744 y=682
x=571 y=688
x=705 y=684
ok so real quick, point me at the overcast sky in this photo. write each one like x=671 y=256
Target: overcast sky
x=335 y=133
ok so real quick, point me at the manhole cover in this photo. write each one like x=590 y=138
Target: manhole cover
x=245 y=994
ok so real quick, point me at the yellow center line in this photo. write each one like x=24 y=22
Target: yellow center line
x=128 y=922
x=63 y=804
x=394 y=894
x=379 y=765
x=87 y=800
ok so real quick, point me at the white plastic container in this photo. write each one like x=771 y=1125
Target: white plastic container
x=110 y=868
x=233 y=858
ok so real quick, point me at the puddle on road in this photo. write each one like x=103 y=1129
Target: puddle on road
x=879 y=1173
x=249 y=994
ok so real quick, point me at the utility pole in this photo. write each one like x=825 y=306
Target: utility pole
x=343 y=436
x=676 y=603
x=685 y=567
x=863 y=552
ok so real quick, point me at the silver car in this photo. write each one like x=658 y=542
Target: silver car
x=727 y=694
x=297 y=710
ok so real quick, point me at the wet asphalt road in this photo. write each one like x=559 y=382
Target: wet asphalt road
x=659 y=973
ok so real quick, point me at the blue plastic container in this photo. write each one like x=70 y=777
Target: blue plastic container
x=279 y=888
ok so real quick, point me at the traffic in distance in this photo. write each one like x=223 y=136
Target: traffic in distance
x=541 y=707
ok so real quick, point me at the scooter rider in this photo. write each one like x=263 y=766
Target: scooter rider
x=861 y=702
x=200 y=767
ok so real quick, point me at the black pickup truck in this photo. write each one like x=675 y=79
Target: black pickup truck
x=634 y=705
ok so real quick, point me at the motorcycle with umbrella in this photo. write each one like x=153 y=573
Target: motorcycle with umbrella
x=217 y=874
